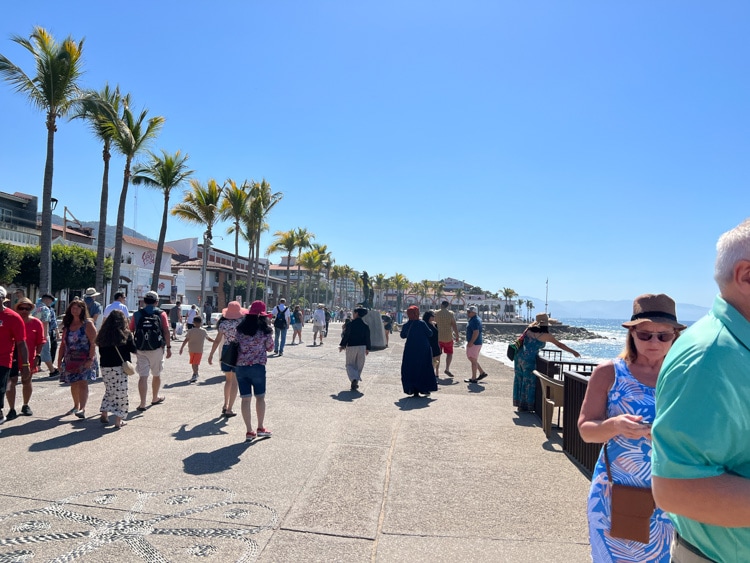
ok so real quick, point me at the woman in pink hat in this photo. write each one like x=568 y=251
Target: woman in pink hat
x=226 y=328
x=255 y=337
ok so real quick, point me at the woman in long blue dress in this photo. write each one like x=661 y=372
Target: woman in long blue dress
x=618 y=410
x=524 y=381
x=417 y=373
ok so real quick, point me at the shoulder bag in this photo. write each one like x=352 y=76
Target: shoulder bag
x=127 y=367
x=515 y=347
x=229 y=353
x=631 y=509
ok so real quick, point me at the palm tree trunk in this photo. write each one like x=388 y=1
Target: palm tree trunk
x=120 y=228
x=101 y=240
x=236 y=258
x=160 y=245
x=250 y=271
x=288 y=276
x=45 y=241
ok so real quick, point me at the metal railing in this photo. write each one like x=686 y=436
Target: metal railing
x=582 y=452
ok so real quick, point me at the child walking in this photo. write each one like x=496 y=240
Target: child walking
x=195 y=338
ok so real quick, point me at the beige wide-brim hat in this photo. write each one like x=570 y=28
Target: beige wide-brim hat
x=656 y=308
x=91 y=292
x=542 y=319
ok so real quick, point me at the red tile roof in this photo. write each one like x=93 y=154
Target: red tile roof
x=147 y=244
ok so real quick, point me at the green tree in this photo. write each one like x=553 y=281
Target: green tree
x=10 y=262
x=378 y=282
x=312 y=261
x=302 y=240
x=508 y=294
x=529 y=308
x=234 y=207
x=337 y=272
x=200 y=206
x=400 y=283
x=54 y=90
x=131 y=135
x=73 y=267
x=263 y=201
x=101 y=110
x=285 y=241
x=166 y=173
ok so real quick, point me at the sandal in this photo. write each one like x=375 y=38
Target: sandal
x=140 y=409
x=481 y=376
x=158 y=401
x=470 y=380
x=229 y=414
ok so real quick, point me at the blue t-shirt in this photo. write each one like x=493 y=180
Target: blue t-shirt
x=474 y=324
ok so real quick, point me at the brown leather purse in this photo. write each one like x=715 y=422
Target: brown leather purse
x=631 y=509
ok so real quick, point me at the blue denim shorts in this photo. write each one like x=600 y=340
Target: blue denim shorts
x=251 y=380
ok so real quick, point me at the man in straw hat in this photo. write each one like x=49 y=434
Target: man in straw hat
x=701 y=451
x=12 y=337
x=94 y=307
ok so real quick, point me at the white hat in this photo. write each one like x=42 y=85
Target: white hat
x=3 y=292
x=91 y=292
x=152 y=295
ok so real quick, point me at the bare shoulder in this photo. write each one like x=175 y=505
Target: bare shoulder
x=603 y=374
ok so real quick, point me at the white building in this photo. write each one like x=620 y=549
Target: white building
x=137 y=268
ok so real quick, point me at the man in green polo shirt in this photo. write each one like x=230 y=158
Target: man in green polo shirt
x=701 y=434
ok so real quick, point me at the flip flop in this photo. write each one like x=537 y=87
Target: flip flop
x=141 y=409
x=158 y=401
x=449 y=374
x=481 y=376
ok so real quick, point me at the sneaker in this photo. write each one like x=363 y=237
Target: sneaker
x=264 y=433
x=55 y=373
x=250 y=436
x=26 y=411
x=11 y=415
x=194 y=378
x=281 y=353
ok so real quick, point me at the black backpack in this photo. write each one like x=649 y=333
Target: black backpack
x=148 y=331
x=280 y=320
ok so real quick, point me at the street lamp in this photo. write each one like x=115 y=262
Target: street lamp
x=52 y=203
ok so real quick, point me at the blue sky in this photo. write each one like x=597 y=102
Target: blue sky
x=601 y=145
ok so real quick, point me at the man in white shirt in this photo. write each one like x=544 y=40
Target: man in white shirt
x=319 y=323
x=117 y=305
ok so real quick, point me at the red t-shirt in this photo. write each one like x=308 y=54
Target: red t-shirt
x=34 y=338
x=12 y=330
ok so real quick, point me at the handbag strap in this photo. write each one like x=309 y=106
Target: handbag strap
x=606 y=462
x=123 y=361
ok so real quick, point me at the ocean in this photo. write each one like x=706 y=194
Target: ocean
x=596 y=350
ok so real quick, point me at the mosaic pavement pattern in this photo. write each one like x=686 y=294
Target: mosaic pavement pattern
x=182 y=524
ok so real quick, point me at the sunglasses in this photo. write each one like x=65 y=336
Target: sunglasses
x=25 y=308
x=645 y=336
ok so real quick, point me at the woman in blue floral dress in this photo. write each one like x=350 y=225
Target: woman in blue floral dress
x=524 y=382
x=618 y=410
x=77 y=357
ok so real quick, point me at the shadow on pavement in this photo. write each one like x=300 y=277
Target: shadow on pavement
x=213 y=427
x=203 y=463
x=82 y=431
x=347 y=396
x=413 y=403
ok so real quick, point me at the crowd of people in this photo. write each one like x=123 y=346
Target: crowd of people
x=672 y=409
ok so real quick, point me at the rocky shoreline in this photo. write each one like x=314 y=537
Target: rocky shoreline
x=506 y=331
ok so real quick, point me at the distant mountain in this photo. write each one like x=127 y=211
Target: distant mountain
x=600 y=309
x=111 y=230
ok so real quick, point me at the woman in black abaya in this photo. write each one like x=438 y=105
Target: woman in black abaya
x=417 y=373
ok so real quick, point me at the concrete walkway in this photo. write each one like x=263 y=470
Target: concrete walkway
x=351 y=477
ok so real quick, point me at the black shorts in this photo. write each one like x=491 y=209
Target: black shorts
x=4 y=374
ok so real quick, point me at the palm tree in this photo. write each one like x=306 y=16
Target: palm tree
x=101 y=110
x=263 y=201
x=166 y=173
x=337 y=272
x=387 y=284
x=54 y=90
x=312 y=261
x=400 y=283
x=458 y=295
x=439 y=287
x=326 y=261
x=529 y=308
x=508 y=294
x=348 y=272
x=200 y=206
x=234 y=206
x=130 y=135
x=378 y=281
x=303 y=239
x=285 y=240
x=520 y=304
